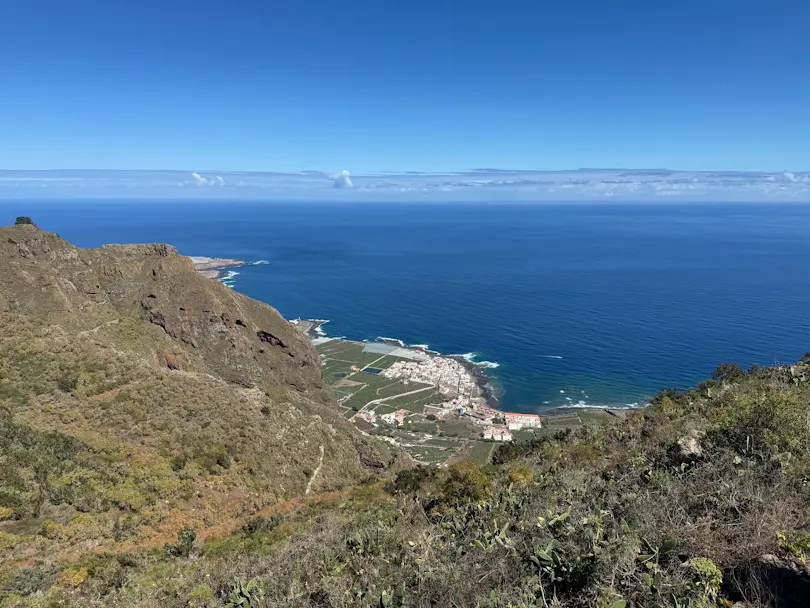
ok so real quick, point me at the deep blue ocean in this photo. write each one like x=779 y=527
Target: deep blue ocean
x=603 y=304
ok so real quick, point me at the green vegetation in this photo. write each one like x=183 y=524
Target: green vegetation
x=696 y=501
x=131 y=478
x=481 y=452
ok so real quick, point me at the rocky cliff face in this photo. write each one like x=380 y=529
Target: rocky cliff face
x=186 y=402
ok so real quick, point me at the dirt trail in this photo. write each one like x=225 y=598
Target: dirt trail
x=314 y=474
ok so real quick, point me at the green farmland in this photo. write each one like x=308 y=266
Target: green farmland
x=354 y=376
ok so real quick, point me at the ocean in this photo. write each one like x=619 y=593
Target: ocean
x=597 y=304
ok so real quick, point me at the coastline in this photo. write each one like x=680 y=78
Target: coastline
x=487 y=385
x=216 y=268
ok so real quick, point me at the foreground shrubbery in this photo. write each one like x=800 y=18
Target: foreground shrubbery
x=700 y=500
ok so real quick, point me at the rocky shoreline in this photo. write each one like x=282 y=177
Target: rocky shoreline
x=214 y=268
x=490 y=390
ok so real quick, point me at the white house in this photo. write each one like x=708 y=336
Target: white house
x=515 y=422
x=498 y=433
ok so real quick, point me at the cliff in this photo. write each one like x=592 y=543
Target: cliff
x=138 y=397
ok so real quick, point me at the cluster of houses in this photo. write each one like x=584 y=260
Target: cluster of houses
x=512 y=422
x=451 y=378
x=497 y=426
x=459 y=387
x=516 y=422
x=397 y=418
x=497 y=433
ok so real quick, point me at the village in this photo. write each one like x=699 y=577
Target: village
x=436 y=408
x=429 y=387
x=462 y=394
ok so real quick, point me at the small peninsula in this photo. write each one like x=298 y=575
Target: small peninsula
x=214 y=268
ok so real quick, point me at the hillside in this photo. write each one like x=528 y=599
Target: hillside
x=699 y=500
x=138 y=397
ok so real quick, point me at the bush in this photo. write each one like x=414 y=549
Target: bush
x=261 y=524
x=27 y=581
x=184 y=545
x=466 y=482
x=410 y=480
x=705 y=575
x=24 y=220
x=521 y=476
x=728 y=372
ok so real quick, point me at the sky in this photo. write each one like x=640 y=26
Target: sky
x=211 y=87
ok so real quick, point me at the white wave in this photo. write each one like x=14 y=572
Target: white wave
x=562 y=392
x=552 y=356
x=595 y=406
x=394 y=340
x=227 y=280
x=422 y=346
x=545 y=402
x=470 y=358
x=260 y=262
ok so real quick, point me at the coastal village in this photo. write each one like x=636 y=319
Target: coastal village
x=436 y=408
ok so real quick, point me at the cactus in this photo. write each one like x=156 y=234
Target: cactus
x=245 y=594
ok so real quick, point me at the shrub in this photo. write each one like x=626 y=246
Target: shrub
x=466 y=482
x=410 y=480
x=520 y=476
x=73 y=577
x=705 y=575
x=727 y=372
x=261 y=524
x=24 y=220
x=184 y=545
x=27 y=581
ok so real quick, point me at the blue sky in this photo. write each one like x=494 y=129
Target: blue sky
x=433 y=86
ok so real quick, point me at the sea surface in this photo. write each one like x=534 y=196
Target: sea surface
x=599 y=304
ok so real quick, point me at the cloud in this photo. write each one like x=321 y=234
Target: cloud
x=201 y=180
x=484 y=185
x=342 y=179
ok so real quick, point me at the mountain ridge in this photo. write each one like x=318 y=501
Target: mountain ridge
x=165 y=398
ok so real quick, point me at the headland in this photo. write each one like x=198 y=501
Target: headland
x=215 y=268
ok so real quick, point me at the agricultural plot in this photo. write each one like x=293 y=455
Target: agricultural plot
x=424 y=453
x=481 y=452
x=457 y=428
x=416 y=402
x=339 y=349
